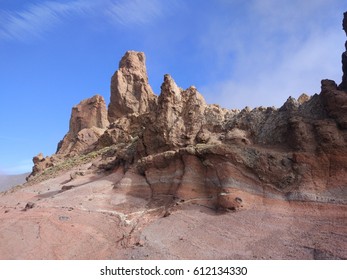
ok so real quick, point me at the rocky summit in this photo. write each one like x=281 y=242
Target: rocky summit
x=172 y=177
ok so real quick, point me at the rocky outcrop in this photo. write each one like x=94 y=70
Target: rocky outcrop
x=88 y=113
x=40 y=164
x=343 y=85
x=177 y=119
x=177 y=146
x=87 y=123
x=130 y=91
x=335 y=102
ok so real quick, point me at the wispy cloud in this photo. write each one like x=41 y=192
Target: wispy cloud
x=36 y=19
x=135 y=11
x=279 y=48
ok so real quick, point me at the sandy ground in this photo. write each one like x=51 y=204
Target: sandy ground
x=92 y=220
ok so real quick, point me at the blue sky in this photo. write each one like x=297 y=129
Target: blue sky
x=55 y=53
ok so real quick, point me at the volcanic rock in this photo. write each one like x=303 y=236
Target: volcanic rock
x=177 y=120
x=38 y=158
x=265 y=171
x=176 y=145
x=41 y=163
x=343 y=84
x=28 y=206
x=130 y=91
x=87 y=123
x=335 y=102
x=303 y=98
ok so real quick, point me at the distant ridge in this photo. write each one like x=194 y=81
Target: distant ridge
x=9 y=181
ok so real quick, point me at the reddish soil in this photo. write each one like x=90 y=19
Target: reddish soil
x=92 y=220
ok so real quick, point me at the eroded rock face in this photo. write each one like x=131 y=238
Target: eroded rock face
x=41 y=163
x=130 y=91
x=343 y=85
x=88 y=113
x=87 y=123
x=177 y=146
x=178 y=118
x=335 y=102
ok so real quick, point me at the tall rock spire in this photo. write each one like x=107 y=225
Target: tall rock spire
x=130 y=91
x=343 y=85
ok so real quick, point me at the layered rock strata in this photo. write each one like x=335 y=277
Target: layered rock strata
x=177 y=146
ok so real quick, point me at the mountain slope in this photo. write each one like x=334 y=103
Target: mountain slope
x=171 y=177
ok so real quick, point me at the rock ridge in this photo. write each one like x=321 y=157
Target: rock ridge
x=184 y=148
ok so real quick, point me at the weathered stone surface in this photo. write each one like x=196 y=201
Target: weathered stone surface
x=176 y=145
x=87 y=123
x=174 y=165
x=343 y=84
x=40 y=164
x=303 y=98
x=125 y=221
x=130 y=91
x=88 y=113
x=335 y=102
x=177 y=120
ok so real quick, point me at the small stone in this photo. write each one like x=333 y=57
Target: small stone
x=28 y=206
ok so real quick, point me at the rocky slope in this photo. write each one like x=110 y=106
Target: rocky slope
x=182 y=147
x=149 y=156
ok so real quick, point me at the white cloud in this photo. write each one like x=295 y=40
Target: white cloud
x=37 y=19
x=280 y=49
x=135 y=11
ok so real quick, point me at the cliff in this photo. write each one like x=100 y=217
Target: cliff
x=178 y=145
x=171 y=177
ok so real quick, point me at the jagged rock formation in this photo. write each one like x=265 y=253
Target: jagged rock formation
x=177 y=145
x=177 y=119
x=87 y=123
x=41 y=163
x=343 y=85
x=170 y=172
x=130 y=91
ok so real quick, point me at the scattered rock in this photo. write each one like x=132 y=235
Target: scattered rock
x=28 y=206
x=167 y=214
x=67 y=187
